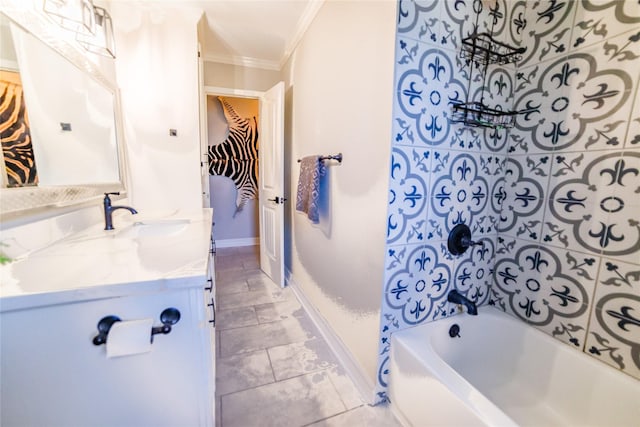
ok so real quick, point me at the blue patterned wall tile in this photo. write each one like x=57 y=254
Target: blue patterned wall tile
x=460 y=193
x=408 y=195
x=614 y=328
x=596 y=209
x=445 y=23
x=573 y=231
x=473 y=274
x=428 y=85
x=563 y=198
x=470 y=16
x=421 y=20
x=598 y=21
x=403 y=127
x=549 y=288
x=574 y=103
x=497 y=89
x=496 y=140
x=633 y=134
x=417 y=287
x=572 y=331
x=546 y=29
x=389 y=324
x=522 y=194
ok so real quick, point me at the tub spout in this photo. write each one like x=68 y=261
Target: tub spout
x=457 y=298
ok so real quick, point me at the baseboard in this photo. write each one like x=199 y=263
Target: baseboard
x=232 y=243
x=342 y=353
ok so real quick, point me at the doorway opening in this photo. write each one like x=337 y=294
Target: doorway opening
x=232 y=130
x=269 y=174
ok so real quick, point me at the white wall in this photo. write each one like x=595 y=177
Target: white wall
x=339 y=98
x=239 y=77
x=157 y=69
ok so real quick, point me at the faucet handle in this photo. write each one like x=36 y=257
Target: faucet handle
x=114 y=193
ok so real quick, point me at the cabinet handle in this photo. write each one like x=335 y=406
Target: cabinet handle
x=168 y=317
x=212 y=304
x=210 y=287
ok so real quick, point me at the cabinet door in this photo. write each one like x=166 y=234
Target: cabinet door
x=52 y=373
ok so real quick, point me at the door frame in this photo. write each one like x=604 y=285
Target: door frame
x=204 y=143
x=204 y=134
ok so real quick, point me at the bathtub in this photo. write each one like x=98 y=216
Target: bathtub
x=501 y=372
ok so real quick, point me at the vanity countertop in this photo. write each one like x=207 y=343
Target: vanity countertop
x=145 y=253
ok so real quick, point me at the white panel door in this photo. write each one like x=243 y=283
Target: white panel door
x=204 y=137
x=271 y=183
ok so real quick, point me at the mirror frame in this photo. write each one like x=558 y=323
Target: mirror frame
x=26 y=204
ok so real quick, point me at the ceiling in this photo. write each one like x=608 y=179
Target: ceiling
x=256 y=33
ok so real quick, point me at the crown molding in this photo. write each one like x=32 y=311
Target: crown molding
x=307 y=17
x=244 y=61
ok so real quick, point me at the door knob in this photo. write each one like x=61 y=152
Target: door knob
x=278 y=200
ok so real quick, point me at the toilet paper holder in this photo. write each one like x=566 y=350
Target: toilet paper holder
x=169 y=317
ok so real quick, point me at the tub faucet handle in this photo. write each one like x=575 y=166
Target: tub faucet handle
x=460 y=240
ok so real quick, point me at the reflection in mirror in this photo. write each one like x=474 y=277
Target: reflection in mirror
x=58 y=121
x=17 y=152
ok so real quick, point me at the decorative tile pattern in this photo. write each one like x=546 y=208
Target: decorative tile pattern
x=426 y=91
x=597 y=21
x=474 y=270
x=555 y=199
x=521 y=196
x=417 y=286
x=460 y=194
x=573 y=103
x=545 y=28
x=614 y=329
x=408 y=196
x=594 y=205
x=550 y=289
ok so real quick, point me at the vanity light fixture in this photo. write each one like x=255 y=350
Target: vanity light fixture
x=74 y=15
x=102 y=40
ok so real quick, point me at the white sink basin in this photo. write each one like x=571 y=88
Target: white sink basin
x=154 y=228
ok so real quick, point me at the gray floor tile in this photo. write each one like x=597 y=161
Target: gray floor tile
x=348 y=392
x=363 y=416
x=261 y=283
x=263 y=336
x=300 y=358
x=231 y=286
x=273 y=367
x=250 y=264
x=245 y=299
x=236 y=318
x=248 y=250
x=294 y=402
x=228 y=262
x=243 y=371
x=274 y=312
x=237 y=275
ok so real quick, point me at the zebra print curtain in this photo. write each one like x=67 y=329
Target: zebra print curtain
x=15 y=135
x=237 y=156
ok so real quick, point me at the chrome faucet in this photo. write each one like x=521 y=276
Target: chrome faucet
x=108 y=211
x=457 y=298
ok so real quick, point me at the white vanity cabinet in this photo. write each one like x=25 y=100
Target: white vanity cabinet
x=52 y=374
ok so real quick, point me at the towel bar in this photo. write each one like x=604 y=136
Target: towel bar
x=337 y=157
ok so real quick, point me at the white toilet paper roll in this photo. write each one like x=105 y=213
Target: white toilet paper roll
x=129 y=337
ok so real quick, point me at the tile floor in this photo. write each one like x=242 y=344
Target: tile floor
x=273 y=367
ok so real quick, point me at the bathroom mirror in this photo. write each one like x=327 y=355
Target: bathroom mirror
x=66 y=152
